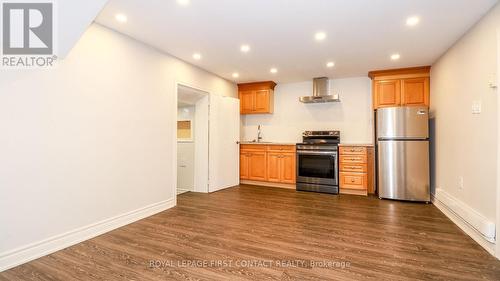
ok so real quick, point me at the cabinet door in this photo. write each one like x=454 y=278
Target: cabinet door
x=262 y=101
x=273 y=167
x=257 y=166
x=287 y=168
x=415 y=91
x=387 y=93
x=247 y=100
x=244 y=165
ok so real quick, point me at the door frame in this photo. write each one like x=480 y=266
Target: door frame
x=177 y=85
x=497 y=223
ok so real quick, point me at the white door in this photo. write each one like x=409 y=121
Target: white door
x=224 y=168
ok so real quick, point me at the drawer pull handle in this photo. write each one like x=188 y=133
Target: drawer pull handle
x=353 y=159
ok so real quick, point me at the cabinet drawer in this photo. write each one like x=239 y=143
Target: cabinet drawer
x=253 y=147
x=353 y=180
x=352 y=150
x=357 y=168
x=281 y=148
x=353 y=159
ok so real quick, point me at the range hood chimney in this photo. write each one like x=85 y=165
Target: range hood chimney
x=320 y=92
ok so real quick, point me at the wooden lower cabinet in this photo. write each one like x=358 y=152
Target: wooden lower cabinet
x=244 y=165
x=253 y=165
x=356 y=170
x=257 y=166
x=273 y=167
x=287 y=168
x=281 y=167
x=357 y=181
x=268 y=163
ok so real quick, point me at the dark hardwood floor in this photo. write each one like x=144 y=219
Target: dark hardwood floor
x=260 y=233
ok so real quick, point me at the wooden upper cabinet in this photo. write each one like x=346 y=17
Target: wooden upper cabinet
x=246 y=101
x=401 y=87
x=262 y=101
x=387 y=93
x=415 y=91
x=256 y=98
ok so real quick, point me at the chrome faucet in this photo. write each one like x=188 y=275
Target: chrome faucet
x=259 y=133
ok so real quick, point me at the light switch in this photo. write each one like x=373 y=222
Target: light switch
x=476 y=107
x=493 y=81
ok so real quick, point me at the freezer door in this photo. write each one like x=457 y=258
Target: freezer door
x=403 y=122
x=403 y=171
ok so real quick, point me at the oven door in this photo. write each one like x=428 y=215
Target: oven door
x=317 y=167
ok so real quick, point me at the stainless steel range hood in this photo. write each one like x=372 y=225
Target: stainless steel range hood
x=320 y=92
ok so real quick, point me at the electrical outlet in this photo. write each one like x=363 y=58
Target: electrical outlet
x=476 y=107
x=460 y=182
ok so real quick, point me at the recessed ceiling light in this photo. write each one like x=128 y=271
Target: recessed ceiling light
x=412 y=21
x=395 y=56
x=236 y=75
x=330 y=64
x=183 y=2
x=273 y=70
x=320 y=36
x=245 y=48
x=121 y=18
x=197 y=56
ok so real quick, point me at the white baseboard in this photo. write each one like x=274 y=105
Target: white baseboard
x=471 y=222
x=182 y=190
x=53 y=244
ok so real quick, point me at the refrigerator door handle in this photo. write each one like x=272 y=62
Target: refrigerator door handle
x=403 y=139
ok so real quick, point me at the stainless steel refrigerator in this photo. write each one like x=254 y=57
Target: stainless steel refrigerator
x=403 y=153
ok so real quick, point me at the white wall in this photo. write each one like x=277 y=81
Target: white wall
x=498 y=146
x=466 y=144
x=352 y=116
x=90 y=139
x=185 y=153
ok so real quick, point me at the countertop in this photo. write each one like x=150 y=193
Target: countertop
x=267 y=143
x=356 y=144
x=292 y=143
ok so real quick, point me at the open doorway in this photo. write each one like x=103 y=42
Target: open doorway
x=192 y=140
x=207 y=124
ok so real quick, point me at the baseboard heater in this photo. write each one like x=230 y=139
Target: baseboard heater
x=475 y=220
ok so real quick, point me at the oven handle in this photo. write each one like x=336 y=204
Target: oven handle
x=317 y=153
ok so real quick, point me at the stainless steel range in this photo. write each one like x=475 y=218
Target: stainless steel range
x=317 y=162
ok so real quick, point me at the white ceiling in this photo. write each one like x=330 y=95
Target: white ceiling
x=361 y=34
x=73 y=18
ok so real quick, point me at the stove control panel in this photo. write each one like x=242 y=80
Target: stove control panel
x=321 y=134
